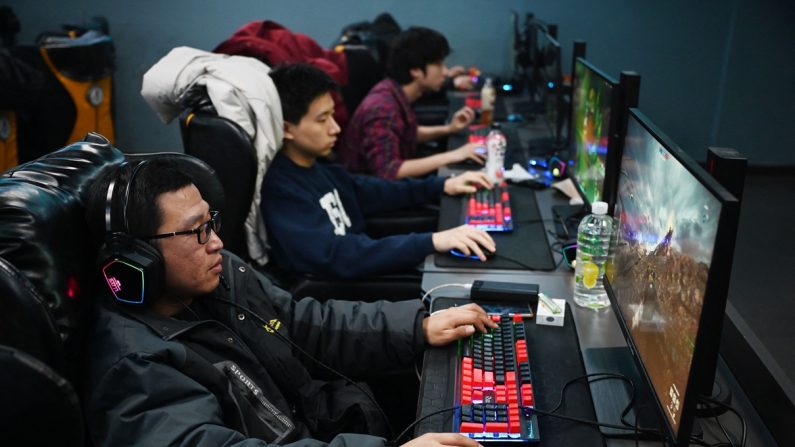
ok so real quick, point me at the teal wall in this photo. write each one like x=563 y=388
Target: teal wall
x=716 y=72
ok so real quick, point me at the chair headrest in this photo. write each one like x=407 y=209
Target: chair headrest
x=226 y=147
x=43 y=230
x=47 y=258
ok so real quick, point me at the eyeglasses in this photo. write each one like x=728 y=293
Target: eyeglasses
x=202 y=231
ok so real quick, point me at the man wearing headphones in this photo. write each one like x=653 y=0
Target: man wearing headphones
x=191 y=346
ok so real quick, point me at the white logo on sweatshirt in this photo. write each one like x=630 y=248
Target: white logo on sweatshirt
x=336 y=212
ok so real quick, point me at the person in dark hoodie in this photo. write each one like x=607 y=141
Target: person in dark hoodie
x=314 y=212
x=216 y=355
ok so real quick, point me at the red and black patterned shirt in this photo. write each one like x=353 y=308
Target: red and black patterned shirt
x=382 y=132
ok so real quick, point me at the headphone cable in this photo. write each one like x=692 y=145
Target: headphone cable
x=310 y=357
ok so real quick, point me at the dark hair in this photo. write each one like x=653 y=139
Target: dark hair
x=415 y=48
x=298 y=86
x=144 y=216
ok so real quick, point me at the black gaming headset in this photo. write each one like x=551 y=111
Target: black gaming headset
x=133 y=269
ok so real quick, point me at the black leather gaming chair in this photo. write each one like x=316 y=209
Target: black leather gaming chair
x=47 y=280
x=46 y=272
x=226 y=147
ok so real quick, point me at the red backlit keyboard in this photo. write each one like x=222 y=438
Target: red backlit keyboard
x=489 y=210
x=493 y=380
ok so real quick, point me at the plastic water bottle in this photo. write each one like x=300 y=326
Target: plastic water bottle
x=593 y=245
x=488 y=96
x=495 y=158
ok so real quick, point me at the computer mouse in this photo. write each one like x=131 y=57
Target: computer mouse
x=459 y=254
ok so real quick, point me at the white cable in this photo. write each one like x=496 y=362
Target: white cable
x=433 y=289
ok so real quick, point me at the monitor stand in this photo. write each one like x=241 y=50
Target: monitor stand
x=567 y=219
x=611 y=396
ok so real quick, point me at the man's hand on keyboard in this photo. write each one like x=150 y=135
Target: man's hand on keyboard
x=455 y=322
x=442 y=439
x=467 y=182
x=464 y=238
x=469 y=151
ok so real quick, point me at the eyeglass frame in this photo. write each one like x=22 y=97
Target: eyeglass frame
x=214 y=224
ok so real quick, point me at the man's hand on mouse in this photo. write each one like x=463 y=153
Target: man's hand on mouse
x=469 y=151
x=455 y=322
x=468 y=240
x=467 y=182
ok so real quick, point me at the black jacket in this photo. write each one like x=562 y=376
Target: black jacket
x=217 y=376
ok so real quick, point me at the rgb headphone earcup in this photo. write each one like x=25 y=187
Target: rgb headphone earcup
x=133 y=270
x=557 y=167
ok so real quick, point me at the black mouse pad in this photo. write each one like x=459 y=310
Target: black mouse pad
x=524 y=248
x=555 y=359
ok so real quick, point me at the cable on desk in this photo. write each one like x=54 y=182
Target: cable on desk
x=410 y=426
x=744 y=434
x=435 y=288
x=595 y=377
x=527 y=266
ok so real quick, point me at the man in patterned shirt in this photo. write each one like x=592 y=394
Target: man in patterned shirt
x=382 y=135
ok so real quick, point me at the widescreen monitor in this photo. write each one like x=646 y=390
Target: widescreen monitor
x=668 y=274
x=591 y=126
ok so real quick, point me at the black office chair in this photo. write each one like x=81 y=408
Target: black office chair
x=47 y=279
x=40 y=407
x=226 y=147
x=46 y=276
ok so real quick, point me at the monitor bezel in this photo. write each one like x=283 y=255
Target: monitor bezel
x=705 y=354
x=612 y=127
x=551 y=98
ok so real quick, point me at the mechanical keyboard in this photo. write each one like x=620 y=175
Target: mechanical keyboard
x=492 y=382
x=489 y=210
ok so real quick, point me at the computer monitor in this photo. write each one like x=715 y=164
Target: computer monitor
x=668 y=275
x=591 y=126
x=550 y=80
x=597 y=115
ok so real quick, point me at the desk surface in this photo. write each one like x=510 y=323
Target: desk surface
x=595 y=329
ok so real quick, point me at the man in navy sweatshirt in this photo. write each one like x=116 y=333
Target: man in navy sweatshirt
x=315 y=212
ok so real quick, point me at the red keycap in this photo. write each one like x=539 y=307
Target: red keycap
x=477 y=395
x=488 y=379
x=496 y=427
x=527 y=395
x=477 y=377
x=495 y=318
x=470 y=427
x=521 y=350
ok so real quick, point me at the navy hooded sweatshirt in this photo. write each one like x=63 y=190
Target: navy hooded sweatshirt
x=315 y=219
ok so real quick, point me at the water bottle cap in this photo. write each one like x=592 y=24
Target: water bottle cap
x=599 y=208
